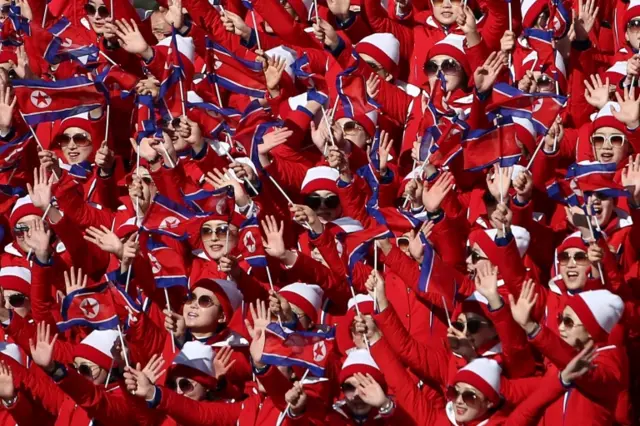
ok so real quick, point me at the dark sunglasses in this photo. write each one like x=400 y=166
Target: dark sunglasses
x=17 y=300
x=314 y=202
x=5 y=9
x=185 y=385
x=581 y=258
x=91 y=10
x=351 y=127
x=476 y=257
x=544 y=82
x=567 y=321
x=634 y=25
x=473 y=325
x=448 y=67
x=402 y=242
x=203 y=301
x=219 y=231
x=20 y=229
x=85 y=370
x=615 y=140
x=468 y=397
x=80 y=139
x=347 y=388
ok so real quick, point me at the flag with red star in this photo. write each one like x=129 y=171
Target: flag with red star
x=42 y=101
x=250 y=243
x=100 y=307
x=294 y=348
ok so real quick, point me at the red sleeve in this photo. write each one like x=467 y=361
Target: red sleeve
x=307 y=269
x=42 y=303
x=28 y=412
x=145 y=339
x=449 y=239
x=284 y=25
x=207 y=17
x=353 y=199
x=70 y=197
x=251 y=288
x=430 y=362
x=380 y=22
x=497 y=23
x=407 y=394
x=288 y=174
x=397 y=104
x=528 y=413
x=195 y=413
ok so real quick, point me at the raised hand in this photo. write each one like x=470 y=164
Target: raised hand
x=466 y=20
x=173 y=15
x=131 y=39
x=485 y=76
x=274 y=234
x=273 y=69
x=498 y=187
x=460 y=344
x=580 y=364
x=433 y=197
x=138 y=383
x=38 y=239
x=73 y=282
x=7 y=106
x=222 y=362
x=7 y=389
x=521 y=310
x=326 y=34
x=370 y=391
x=235 y=24
x=218 y=180
x=523 y=184
x=174 y=323
x=304 y=214
x=487 y=284
x=629 y=113
x=587 y=15
x=373 y=85
x=153 y=370
x=631 y=179
x=274 y=139
x=386 y=143
x=40 y=192
x=260 y=316
x=42 y=350
x=339 y=8
x=296 y=399
x=596 y=92
x=106 y=239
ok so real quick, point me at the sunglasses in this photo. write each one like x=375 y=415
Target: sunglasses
x=91 y=10
x=183 y=384
x=314 y=202
x=17 y=300
x=86 y=370
x=20 y=229
x=80 y=139
x=448 y=67
x=473 y=325
x=5 y=9
x=203 y=301
x=468 y=397
x=567 y=321
x=347 y=388
x=545 y=82
x=351 y=127
x=580 y=258
x=614 y=140
x=476 y=257
x=220 y=232
x=634 y=25
x=402 y=242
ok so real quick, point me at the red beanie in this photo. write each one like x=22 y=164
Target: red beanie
x=23 y=207
x=483 y=374
x=360 y=361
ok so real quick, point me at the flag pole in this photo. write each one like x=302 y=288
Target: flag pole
x=44 y=15
x=510 y=30
x=446 y=311
x=184 y=110
x=124 y=349
x=255 y=27
x=107 y=58
x=166 y=298
x=326 y=120
x=375 y=268
x=535 y=153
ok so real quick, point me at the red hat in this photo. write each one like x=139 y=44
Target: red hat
x=16 y=278
x=633 y=11
x=96 y=347
x=452 y=45
x=531 y=9
x=485 y=238
x=367 y=120
x=7 y=55
x=307 y=297
x=605 y=118
x=23 y=207
x=226 y=291
x=572 y=241
x=320 y=178
x=360 y=361
x=195 y=361
x=483 y=374
x=384 y=48
x=95 y=128
x=599 y=311
x=343 y=330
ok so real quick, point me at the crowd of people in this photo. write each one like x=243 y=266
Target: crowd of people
x=313 y=212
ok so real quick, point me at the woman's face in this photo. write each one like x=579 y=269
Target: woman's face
x=90 y=370
x=354 y=132
x=325 y=204
x=97 y=14
x=602 y=208
x=633 y=33
x=574 y=265
x=356 y=405
x=17 y=302
x=76 y=145
x=450 y=68
x=187 y=387
x=446 y=11
x=609 y=145
x=468 y=403
x=384 y=74
x=218 y=238
x=203 y=313
x=475 y=259
x=571 y=329
x=479 y=329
